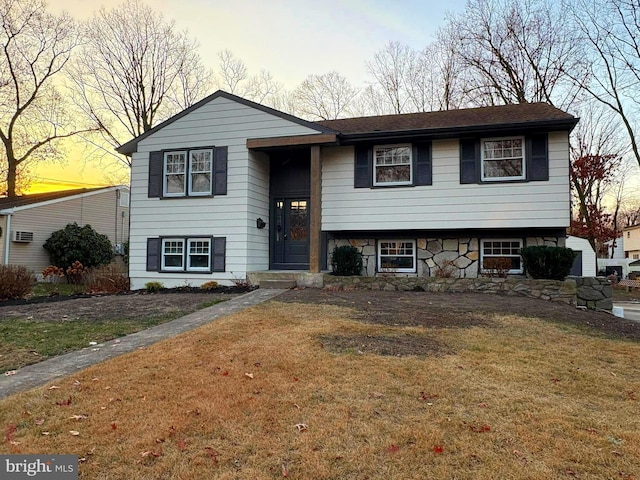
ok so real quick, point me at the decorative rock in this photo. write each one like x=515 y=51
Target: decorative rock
x=422 y=244
x=434 y=247
x=473 y=255
x=473 y=244
x=443 y=257
x=450 y=245
x=462 y=262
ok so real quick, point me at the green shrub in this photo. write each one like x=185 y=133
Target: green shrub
x=346 y=261
x=153 y=287
x=15 y=282
x=78 y=244
x=552 y=263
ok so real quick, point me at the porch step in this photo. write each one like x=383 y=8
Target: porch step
x=272 y=283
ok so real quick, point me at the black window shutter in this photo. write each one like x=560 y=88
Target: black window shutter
x=220 y=171
x=153 y=254
x=363 y=172
x=537 y=157
x=155 y=175
x=219 y=253
x=422 y=167
x=469 y=161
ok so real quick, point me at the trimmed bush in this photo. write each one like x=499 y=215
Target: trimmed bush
x=153 y=287
x=15 y=282
x=210 y=285
x=346 y=261
x=78 y=244
x=551 y=263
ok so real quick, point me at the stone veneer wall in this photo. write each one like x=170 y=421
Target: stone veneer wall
x=459 y=256
x=593 y=293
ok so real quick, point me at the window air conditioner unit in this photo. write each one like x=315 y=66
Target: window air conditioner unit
x=22 y=237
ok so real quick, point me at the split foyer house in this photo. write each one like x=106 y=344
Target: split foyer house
x=228 y=187
x=27 y=221
x=631 y=242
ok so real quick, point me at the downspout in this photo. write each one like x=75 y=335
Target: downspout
x=7 y=235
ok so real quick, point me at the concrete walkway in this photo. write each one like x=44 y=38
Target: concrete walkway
x=631 y=310
x=41 y=373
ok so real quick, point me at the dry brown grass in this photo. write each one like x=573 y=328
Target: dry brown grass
x=521 y=399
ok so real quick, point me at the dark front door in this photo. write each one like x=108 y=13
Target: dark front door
x=291 y=234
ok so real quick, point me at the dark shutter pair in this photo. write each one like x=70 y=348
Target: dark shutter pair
x=422 y=168
x=218 y=247
x=536 y=151
x=156 y=174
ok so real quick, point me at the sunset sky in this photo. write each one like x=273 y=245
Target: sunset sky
x=290 y=38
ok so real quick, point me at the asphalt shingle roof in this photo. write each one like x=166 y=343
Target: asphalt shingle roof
x=451 y=119
x=42 y=197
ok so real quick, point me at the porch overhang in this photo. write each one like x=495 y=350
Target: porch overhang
x=292 y=141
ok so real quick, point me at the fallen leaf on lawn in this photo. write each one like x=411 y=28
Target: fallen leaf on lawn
x=54 y=387
x=285 y=470
x=76 y=383
x=248 y=375
x=39 y=421
x=480 y=428
x=14 y=442
x=615 y=452
x=75 y=433
x=64 y=403
x=302 y=427
x=225 y=373
x=438 y=449
x=181 y=443
x=212 y=453
x=78 y=417
x=482 y=405
x=10 y=372
x=95 y=379
x=393 y=448
x=114 y=425
x=46 y=433
x=613 y=374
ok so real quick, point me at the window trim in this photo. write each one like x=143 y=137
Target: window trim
x=408 y=146
x=523 y=176
x=414 y=256
x=163 y=266
x=191 y=172
x=187 y=182
x=185 y=266
x=482 y=254
x=165 y=175
x=188 y=254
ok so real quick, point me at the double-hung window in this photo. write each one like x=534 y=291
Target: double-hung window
x=188 y=173
x=392 y=165
x=397 y=256
x=502 y=252
x=503 y=159
x=175 y=168
x=186 y=254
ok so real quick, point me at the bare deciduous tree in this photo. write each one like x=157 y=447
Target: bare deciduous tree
x=611 y=31
x=35 y=47
x=134 y=71
x=233 y=77
x=516 y=51
x=324 y=97
x=389 y=68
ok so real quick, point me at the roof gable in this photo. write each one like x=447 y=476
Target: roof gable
x=132 y=145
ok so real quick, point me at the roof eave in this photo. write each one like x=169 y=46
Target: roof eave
x=452 y=132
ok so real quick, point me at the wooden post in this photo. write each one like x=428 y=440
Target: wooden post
x=315 y=221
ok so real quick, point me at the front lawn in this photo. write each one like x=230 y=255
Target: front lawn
x=320 y=391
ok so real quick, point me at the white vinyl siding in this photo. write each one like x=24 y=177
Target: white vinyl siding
x=220 y=122
x=446 y=204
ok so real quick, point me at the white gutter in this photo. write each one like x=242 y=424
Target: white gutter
x=7 y=234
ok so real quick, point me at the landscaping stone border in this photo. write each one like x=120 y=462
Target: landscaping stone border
x=594 y=293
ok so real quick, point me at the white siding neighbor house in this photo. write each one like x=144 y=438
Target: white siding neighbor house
x=27 y=221
x=585 y=264
x=229 y=187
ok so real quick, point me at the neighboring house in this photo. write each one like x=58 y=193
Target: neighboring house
x=585 y=263
x=631 y=239
x=229 y=187
x=615 y=248
x=27 y=221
